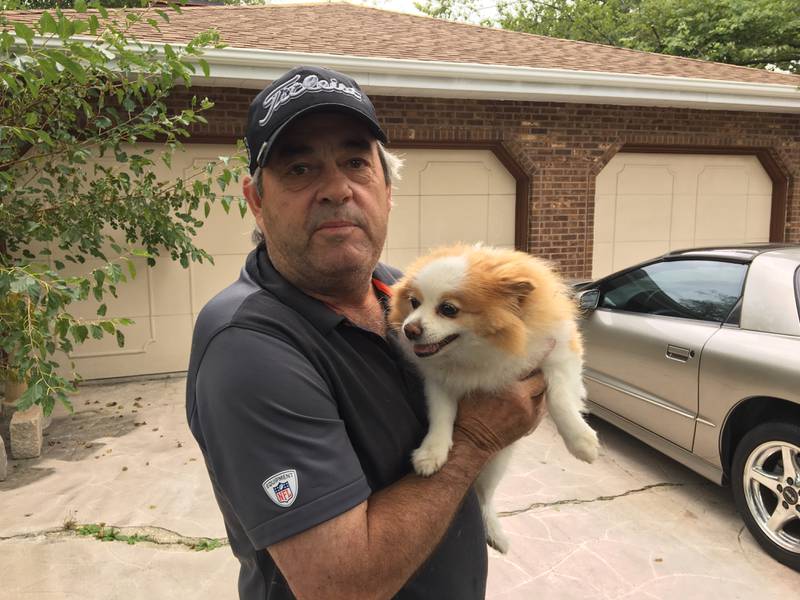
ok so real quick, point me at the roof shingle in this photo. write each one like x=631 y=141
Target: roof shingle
x=353 y=30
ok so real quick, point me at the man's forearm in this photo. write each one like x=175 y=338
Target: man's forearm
x=407 y=520
x=398 y=530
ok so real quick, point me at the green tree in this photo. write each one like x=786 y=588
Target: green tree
x=76 y=87
x=753 y=33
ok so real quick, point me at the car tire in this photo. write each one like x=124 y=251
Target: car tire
x=767 y=495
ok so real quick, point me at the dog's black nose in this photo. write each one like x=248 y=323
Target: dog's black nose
x=412 y=330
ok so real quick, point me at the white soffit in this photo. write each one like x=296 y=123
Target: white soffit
x=252 y=68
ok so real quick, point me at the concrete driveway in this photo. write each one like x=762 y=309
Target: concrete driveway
x=633 y=525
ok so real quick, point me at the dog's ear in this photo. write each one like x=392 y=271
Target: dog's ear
x=518 y=289
x=398 y=303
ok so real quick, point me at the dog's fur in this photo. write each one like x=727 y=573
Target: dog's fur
x=514 y=314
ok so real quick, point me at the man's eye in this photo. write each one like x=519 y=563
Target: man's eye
x=414 y=303
x=447 y=310
x=357 y=163
x=298 y=170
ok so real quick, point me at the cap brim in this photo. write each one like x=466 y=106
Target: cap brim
x=330 y=107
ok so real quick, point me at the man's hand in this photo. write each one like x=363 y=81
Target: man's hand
x=492 y=422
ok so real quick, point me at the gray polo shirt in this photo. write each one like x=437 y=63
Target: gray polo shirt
x=301 y=415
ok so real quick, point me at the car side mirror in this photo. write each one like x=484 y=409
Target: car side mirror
x=588 y=300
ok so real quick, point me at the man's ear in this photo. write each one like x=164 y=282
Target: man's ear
x=389 y=196
x=253 y=200
x=251 y=195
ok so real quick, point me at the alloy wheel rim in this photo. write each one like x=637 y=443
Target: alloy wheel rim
x=771 y=490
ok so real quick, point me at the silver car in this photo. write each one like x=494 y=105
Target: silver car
x=697 y=353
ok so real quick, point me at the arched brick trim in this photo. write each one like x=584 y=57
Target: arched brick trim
x=522 y=204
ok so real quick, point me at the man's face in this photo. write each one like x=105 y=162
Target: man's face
x=325 y=205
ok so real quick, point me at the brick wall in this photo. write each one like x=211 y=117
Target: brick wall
x=561 y=146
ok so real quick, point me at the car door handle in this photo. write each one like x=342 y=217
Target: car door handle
x=678 y=353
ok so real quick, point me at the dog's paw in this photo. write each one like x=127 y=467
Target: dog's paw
x=585 y=446
x=495 y=536
x=429 y=458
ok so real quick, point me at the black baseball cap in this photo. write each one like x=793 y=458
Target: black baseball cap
x=301 y=91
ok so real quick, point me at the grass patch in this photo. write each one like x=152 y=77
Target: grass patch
x=110 y=534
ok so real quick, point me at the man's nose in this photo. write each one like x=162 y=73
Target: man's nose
x=335 y=186
x=412 y=330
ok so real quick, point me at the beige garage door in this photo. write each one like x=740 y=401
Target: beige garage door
x=445 y=196
x=449 y=196
x=649 y=204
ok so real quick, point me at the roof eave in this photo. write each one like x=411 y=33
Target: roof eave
x=253 y=68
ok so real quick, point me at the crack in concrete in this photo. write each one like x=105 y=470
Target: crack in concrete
x=158 y=536
x=572 y=501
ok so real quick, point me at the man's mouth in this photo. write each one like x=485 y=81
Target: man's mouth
x=335 y=225
x=425 y=350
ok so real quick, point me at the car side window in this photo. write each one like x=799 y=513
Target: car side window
x=705 y=290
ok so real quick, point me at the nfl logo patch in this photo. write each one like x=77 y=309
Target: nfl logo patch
x=282 y=487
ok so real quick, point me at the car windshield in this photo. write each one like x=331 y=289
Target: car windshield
x=691 y=289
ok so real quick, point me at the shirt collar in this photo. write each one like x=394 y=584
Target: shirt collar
x=259 y=268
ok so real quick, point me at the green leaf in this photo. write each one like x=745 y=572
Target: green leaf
x=73 y=67
x=108 y=326
x=25 y=32
x=79 y=333
x=204 y=65
x=120 y=338
x=131 y=269
x=80 y=6
x=97 y=331
x=101 y=310
x=47 y=24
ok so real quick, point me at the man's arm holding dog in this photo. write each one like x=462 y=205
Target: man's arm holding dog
x=392 y=533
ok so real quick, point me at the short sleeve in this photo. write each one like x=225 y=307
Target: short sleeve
x=272 y=437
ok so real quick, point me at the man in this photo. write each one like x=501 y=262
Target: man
x=298 y=396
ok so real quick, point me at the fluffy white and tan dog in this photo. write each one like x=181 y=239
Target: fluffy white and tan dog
x=479 y=318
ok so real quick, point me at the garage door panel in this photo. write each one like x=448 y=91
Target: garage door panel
x=722 y=217
x=404 y=223
x=502 y=213
x=133 y=295
x=454 y=178
x=641 y=217
x=452 y=219
x=635 y=178
x=208 y=280
x=400 y=258
x=170 y=283
x=722 y=180
x=157 y=345
x=759 y=210
x=226 y=233
x=603 y=258
x=630 y=253
x=681 y=244
x=683 y=216
x=604 y=210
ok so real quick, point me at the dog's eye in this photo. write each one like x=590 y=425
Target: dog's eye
x=447 y=310
x=414 y=302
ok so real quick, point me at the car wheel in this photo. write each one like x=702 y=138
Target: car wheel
x=766 y=489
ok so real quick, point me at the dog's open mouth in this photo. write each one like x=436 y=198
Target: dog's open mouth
x=423 y=350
